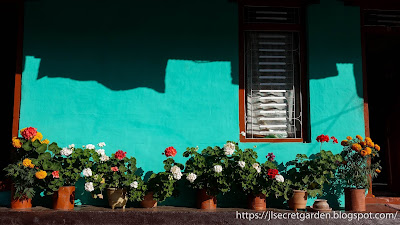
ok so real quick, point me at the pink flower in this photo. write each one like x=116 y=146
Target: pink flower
x=55 y=174
x=270 y=157
x=170 y=151
x=120 y=154
x=29 y=132
x=114 y=169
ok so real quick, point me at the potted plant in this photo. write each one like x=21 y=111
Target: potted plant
x=116 y=174
x=209 y=172
x=164 y=184
x=64 y=169
x=307 y=176
x=358 y=167
x=257 y=180
x=24 y=172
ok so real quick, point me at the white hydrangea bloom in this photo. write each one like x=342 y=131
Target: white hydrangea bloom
x=218 y=168
x=89 y=186
x=229 y=148
x=279 y=178
x=134 y=184
x=87 y=172
x=242 y=164
x=191 y=177
x=101 y=144
x=71 y=146
x=90 y=146
x=66 y=151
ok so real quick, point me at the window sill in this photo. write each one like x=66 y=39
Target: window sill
x=290 y=140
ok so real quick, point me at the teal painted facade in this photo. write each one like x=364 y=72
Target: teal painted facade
x=142 y=76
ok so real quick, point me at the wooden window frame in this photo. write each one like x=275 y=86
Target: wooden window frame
x=300 y=28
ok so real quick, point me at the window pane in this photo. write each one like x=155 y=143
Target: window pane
x=273 y=107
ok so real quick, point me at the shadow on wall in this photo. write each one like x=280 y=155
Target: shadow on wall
x=126 y=45
x=334 y=38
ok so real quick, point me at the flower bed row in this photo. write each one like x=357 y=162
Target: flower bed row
x=213 y=170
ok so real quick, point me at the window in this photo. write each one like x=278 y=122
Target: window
x=272 y=65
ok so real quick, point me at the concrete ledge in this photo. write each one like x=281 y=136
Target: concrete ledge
x=167 y=215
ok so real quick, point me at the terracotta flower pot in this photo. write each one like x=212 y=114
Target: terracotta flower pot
x=148 y=201
x=22 y=203
x=354 y=199
x=257 y=202
x=64 y=198
x=117 y=197
x=205 y=201
x=298 y=200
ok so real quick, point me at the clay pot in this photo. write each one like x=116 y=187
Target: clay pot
x=148 y=201
x=205 y=201
x=298 y=200
x=64 y=198
x=257 y=202
x=117 y=197
x=22 y=203
x=321 y=204
x=354 y=199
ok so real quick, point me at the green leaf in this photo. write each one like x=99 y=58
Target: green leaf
x=41 y=149
x=27 y=146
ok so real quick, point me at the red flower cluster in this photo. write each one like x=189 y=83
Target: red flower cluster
x=120 y=154
x=272 y=173
x=114 y=169
x=28 y=133
x=323 y=138
x=170 y=151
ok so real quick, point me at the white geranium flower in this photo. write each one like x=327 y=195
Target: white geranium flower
x=229 y=148
x=218 y=168
x=71 y=146
x=104 y=158
x=90 y=146
x=101 y=152
x=66 y=151
x=177 y=176
x=279 y=178
x=89 y=186
x=101 y=144
x=258 y=169
x=87 y=172
x=191 y=177
x=255 y=165
x=176 y=172
x=242 y=164
x=134 y=184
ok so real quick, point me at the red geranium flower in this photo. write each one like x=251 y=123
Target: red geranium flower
x=120 y=154
x=335 y=141
x=272 y=173
x=28 y=133
x=55 y=174
x=114 y=169
x=170 y=151
x=323 y=138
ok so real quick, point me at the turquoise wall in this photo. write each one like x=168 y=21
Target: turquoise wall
x=145 y=75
